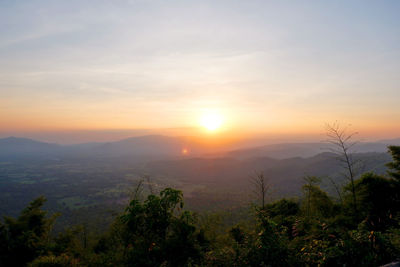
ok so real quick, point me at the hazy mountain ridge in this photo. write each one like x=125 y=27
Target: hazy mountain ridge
x=161 y=147
x=288 y=150
x=23 y=147
x=78 y=176
x=285 y=175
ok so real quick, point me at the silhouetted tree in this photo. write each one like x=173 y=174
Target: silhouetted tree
x=27 y=237
x=342 y=142
x=261 y=187
x=377 y=201
x=394 y=166
x=157 y=231
x=317 y=203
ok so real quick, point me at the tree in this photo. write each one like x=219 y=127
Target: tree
x=27 y=237
x=157 y=231
x=284 y=212
x=338 y=189
x=311 y=181
x=317 y=202
x=342 y=142
x=261 y=187
x=377 y=201
x=394 y=172
x=270 y=246
x=394 y=166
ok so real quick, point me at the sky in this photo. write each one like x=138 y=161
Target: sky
x=276 y=68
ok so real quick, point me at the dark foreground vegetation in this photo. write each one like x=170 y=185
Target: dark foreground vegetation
x=359 y=228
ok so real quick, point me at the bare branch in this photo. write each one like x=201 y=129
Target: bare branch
x=342 y=141
x=261 y=186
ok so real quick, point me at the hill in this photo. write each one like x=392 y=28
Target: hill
x=155 y=147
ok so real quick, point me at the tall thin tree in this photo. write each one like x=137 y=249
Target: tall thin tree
x=308 y=187
x=261 y=187
x=343 y=142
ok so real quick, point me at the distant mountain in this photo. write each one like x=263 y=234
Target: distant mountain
x=395 y=142
x=279 y=151
x=103 y=171
x=151 y=145
x=285 y=175
x=156 y=147
x=145 y=147
x=288 y=150
x=12 y=147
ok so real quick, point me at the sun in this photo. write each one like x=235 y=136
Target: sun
x=211 y=121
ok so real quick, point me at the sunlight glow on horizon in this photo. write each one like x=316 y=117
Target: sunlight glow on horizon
x=211 y=120
x=185 y=151
x=256 y=66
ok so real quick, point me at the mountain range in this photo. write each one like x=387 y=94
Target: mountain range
x=93 y=173
x=158 y=147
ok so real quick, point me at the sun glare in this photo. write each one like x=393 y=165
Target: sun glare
x=211 y=121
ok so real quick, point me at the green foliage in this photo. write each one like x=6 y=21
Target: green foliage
x=238 y=235
x=377 y=201
x=271 y=245
x=27 y=237
x=262 y=246
x=394 y=166
x=157 y=232
x=283 y=207
x=284 y=213
x=316 y=202
x=55 y=261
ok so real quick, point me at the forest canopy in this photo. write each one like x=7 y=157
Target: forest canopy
x=155 y=229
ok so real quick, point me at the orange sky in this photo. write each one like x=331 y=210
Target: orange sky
x=267 y=68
